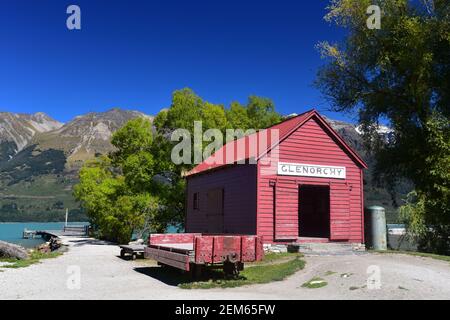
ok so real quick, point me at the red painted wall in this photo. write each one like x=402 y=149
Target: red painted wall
x=239 y=184
x=310 y=144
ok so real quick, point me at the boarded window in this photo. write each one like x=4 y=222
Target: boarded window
x=215 y=211
x=196 y=201
x=215 y=202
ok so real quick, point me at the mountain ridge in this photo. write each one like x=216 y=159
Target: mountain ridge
x=18 y=129
x=87 y=135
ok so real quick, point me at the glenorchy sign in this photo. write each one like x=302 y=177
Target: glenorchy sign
x=311 y=170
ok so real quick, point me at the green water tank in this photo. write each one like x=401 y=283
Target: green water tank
x=376 y=230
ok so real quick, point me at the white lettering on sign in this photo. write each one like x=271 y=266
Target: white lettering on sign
x=311 y=170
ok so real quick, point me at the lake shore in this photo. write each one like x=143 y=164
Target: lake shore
x=12 y=231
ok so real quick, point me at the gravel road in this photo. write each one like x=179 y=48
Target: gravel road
x=104 y=275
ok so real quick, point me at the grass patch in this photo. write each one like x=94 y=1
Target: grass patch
x=315 y=283
x=271 y=256
x=35 y=257
x=329 y=273
x=264 y=272
x=416 y=254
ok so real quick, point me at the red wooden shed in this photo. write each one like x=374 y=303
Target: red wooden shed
x=297 y=181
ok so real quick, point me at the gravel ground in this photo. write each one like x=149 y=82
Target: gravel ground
x=106 y=276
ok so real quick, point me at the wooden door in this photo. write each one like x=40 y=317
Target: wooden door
x=286 y=209
x=340 y=212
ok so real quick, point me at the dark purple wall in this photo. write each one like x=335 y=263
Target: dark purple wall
x=239 y=184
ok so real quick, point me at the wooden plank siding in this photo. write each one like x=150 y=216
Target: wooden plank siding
x=310 y=144
x=239 y=193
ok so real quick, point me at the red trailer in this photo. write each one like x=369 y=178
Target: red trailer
x=192 y=251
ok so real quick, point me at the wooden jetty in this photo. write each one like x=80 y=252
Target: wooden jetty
x=71 y=231
x=45 y=234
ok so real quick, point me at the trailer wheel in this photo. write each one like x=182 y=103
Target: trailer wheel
x=232 y=269
x=195 y=271
x=134 y=256
x=198 y=271
x=122 y=253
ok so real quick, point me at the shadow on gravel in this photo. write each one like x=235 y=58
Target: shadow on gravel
x=95 y=242
x=130 y=258
x=169 y=276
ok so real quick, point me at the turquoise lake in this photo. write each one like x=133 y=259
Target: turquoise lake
x=12 y=232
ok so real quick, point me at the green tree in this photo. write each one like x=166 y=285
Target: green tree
x=429 y=205
x=214 y=117
x=237 y=117
x=134 y=137
x=187 y=107
x=400 y=73
x=261 y=112
x=160 y=122
x=118 y=192
x=133 y=143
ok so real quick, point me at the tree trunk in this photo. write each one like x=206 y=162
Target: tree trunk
x=9 y=250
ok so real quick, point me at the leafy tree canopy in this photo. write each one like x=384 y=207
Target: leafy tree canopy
x=118 y=191
x=187 y=107
x=400 y=73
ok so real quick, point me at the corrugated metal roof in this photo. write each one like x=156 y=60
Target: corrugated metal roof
x=256 y=145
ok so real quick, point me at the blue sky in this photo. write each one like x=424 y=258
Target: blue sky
x=133 y=54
